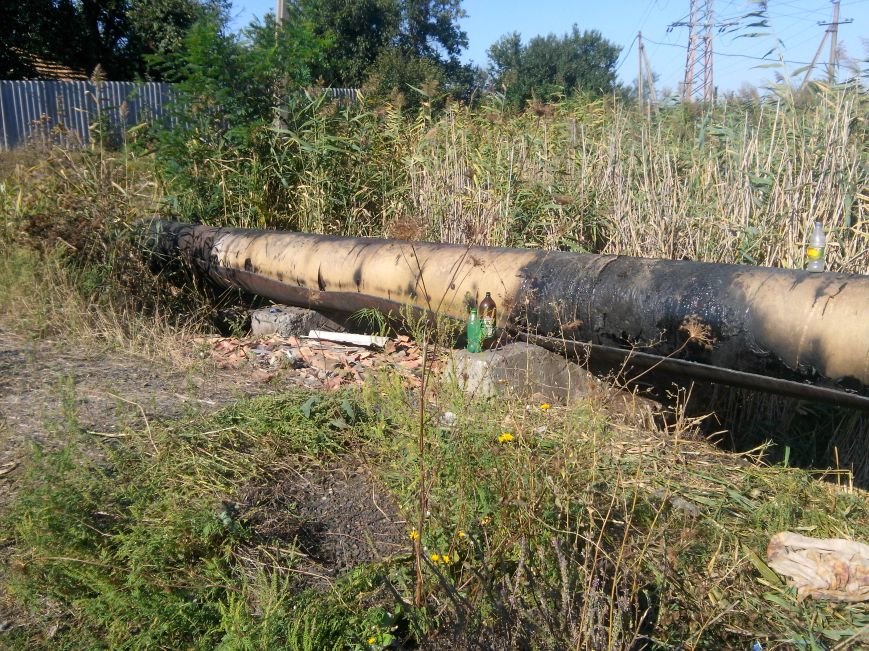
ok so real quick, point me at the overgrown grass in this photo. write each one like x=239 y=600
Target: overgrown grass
x=576 y=531
x=132 y=544
x=69 y=267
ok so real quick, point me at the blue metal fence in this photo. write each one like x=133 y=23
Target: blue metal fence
x=67 y=112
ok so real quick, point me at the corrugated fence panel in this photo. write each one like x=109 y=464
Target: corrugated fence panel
x=70 y=113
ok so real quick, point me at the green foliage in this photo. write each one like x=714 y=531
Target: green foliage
x=429 y=27
x=547 y=527
x=558 y=528
x=390 y=46
x=119 y=35
x=356 y=33
x=228 y=85
x=404 y=78
x=26 y=28
x=326 y=168
x=228 y=90
x=316 y=426
x=88 y=537
x=551 y=66
x=160 y=26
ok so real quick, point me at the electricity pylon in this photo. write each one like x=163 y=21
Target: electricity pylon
x=698 y=82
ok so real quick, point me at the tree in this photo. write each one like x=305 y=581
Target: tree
x=388 y=44
x=31 y=29
x=159 y=26
x=229 y=87
x=505 y=60
x=353 y=33
x=429 y=29
x=119 y=35
x=230 y=80
x=552 y=65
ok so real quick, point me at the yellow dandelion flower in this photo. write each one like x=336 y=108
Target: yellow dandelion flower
x=545 y=406
x=435 y=558
x=413 y=535
x=506 y=437
x=445 y=559
x=462 y=534
x=372 y=640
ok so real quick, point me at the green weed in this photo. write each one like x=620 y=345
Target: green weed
x=547 y=526
x=136 y=541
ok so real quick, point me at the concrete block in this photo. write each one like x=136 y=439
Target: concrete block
x=288 y=321
x=521 y=370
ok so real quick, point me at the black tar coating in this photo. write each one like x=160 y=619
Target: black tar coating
x=621 y=301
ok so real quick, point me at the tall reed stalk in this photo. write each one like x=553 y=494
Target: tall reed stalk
x=741 y=183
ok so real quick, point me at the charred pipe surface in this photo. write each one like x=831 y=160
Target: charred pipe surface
x=774 y=322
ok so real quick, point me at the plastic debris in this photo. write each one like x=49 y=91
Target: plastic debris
x=368 y=341
x=832 y=568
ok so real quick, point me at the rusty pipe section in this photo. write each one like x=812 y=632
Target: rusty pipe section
x=774 y=322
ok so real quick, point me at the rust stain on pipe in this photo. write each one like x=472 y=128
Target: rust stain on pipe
x=775 y=322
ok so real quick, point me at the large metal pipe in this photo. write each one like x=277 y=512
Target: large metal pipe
x=774 y=322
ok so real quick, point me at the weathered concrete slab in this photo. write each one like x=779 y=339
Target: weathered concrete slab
x=288 y=321
x=520 y=369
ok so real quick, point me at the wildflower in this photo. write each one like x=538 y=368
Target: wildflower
x=506 y=437
x=372 y=640
x=545 y=406
x=445 y=559
x=462 y=534
x=413 y=535
x=485 y=520
x=435 y=558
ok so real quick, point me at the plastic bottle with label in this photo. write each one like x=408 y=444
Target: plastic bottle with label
x=816 y=248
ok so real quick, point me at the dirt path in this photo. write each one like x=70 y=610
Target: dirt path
x=44 y=386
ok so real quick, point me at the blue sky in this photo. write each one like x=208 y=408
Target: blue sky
x=792 y=22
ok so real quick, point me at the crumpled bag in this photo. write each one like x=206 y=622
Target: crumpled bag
x=832 y=568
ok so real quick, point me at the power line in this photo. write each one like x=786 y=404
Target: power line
x=627 y=54
x=731 y=54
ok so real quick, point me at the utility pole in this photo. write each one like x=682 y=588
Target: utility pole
x=833 y=32
x=833 y=29
x=280 y=111
x=644 y=76
x=701 y=22
x=640 y=82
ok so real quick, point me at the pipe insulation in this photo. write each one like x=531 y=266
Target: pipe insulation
x=780 y=323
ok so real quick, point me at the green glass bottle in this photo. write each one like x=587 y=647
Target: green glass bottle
x=475 y=332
